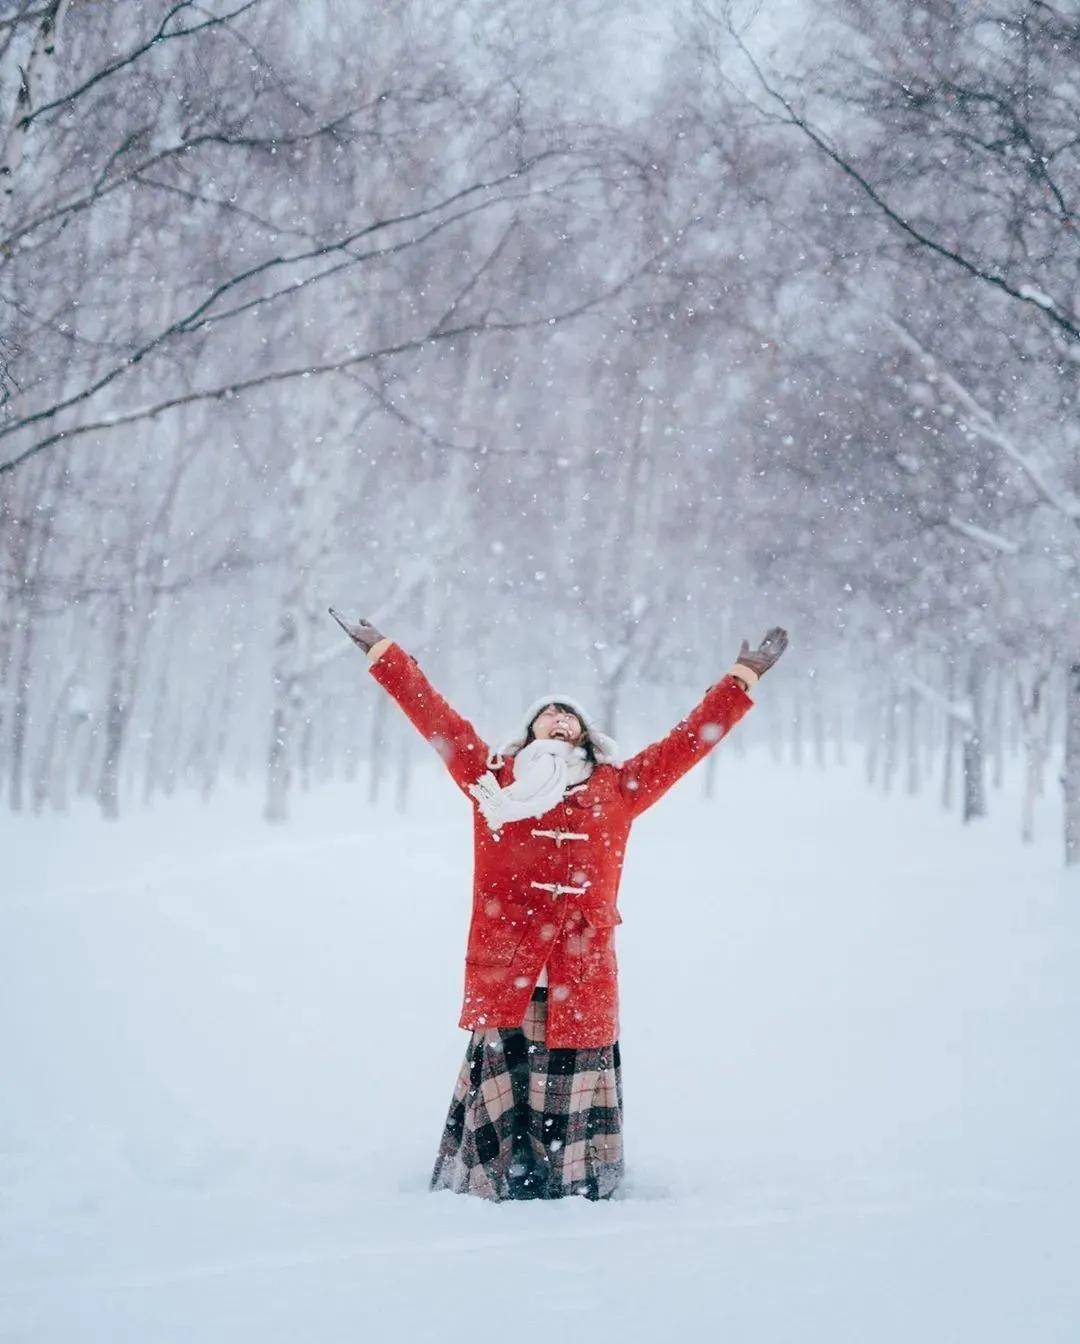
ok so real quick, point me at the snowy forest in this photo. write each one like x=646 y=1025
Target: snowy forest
x=585 y=356
x=599 y=335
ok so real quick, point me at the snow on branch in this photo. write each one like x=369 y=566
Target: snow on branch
x=993 y=541
x=28 y=16
x=981 y=422
x=960 y=712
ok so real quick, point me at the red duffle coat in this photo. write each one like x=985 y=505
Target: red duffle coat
x=545 y=889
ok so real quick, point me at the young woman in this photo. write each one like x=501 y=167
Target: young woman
x=537 y=1108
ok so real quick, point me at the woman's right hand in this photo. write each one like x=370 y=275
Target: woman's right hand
x=363 y=633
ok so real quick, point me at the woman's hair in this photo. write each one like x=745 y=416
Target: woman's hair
x=586 y=744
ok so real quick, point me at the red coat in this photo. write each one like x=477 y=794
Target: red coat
x=545 y=890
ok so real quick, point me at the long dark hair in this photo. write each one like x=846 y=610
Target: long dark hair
x=586 y=742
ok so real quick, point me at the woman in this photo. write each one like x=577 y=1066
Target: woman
x=537 y=1108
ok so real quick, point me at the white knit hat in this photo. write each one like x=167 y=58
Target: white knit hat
x=605 y=749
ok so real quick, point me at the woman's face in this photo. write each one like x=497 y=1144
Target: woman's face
x=558 y=723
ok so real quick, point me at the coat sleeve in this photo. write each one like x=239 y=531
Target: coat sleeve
x=453 y=737
x=646 y=777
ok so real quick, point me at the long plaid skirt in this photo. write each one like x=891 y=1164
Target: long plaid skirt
x=527 y=1122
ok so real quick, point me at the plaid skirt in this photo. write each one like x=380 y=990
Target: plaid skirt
x=527 y=1122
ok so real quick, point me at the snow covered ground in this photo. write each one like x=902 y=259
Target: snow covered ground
x=850 y=1057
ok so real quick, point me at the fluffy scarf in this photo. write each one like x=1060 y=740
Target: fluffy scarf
x=543 y=771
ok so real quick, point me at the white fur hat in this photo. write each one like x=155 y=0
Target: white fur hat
x=605 y=749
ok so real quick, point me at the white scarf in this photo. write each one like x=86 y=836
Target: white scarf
x=543 y=771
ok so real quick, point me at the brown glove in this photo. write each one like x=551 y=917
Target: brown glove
x=759 y=660
x=362 y=632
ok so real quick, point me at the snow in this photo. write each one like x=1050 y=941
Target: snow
x=1035 y=295
x=848 y=1037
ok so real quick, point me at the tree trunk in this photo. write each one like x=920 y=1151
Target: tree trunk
x=377 y=750
x=219 y=741
x=20 y=709
x=35 y=539
x=1032 y=718
x=161 y=746
x=776 y=736
x=997 y=730
x=117 y=708
x=291 y=645
x=285 y=715
x=912 y=742
x=888 y=769
x=797 y=732
x=43 y=786
x=873 y=740
x=819 y=735
x=404 y=773
x=1071 y=775
x=950 y=744
x=973 y=753
x=610 y=700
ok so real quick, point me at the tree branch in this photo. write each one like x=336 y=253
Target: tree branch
x=200 y=314
x=308 y=371
x=1028 y=295
x=993 y=541
x=961 y=713
x=101 y=188
x=122 y=62
x=26 y=17
x=981 y=422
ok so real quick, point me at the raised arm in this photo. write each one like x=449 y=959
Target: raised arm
x=646 y=777
x=455 y=739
